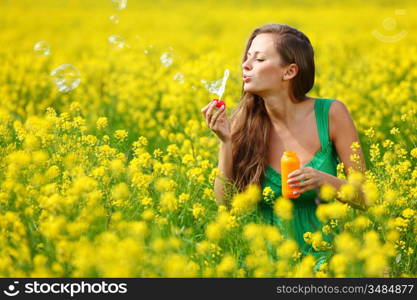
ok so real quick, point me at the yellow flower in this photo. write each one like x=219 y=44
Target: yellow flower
x=268 y=194
x=169 y=202
x=408 y=213
x=203 y=248
x=338 y=264
x=327 y=192
x=117 y=167
x=375 y=265
x=361 y=222
x=287 y=249
x=355 y=146
x=370 y=132
x=347 y=192
x=414 y=153
x=120 y=135
x=146 y=201
x=148 y=214
x=307 y=237
x=120 y=192
x=247 y=200
x=188 y=160
x=141 y=142
x=355 y=178
x=335 y=210
x=177 y=265
x=305 y=267
x=251 y=231
x=52 y=172
x=226 y=266
x=157 y=153
x=390 y=195
x=317 y=242
x=214 y=231
x=394 y=131
x=31 y=142
x=326 y=229
x=165 y=184
x=102 y=123
x=346 y=244
x=198 y=211
x=283 y=208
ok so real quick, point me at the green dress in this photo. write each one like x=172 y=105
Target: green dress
x=304 y=208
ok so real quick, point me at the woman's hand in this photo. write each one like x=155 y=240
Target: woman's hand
x=217 y=121
x=309 y=179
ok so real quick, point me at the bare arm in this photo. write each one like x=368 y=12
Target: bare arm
x=343 y=133
x=218 y=122
x=225 y=171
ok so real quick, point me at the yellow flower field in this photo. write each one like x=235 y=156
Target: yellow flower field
x=113 y=175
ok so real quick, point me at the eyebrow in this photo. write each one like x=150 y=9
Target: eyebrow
x=254 y=53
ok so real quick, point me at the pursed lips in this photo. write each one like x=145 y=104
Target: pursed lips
x=246 y=78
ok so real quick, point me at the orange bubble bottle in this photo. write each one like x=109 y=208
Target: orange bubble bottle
x=289 y=163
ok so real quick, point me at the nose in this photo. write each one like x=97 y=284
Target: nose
x=247 y=65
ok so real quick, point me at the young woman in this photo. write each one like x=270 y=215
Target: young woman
x=275 y=115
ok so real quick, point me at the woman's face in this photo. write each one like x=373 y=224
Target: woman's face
x=262 y=71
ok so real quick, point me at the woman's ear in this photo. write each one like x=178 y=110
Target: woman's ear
x=290 y=72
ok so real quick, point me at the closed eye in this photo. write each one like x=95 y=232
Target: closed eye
x=259 y=59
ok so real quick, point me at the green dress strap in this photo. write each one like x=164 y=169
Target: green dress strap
x=322 y=107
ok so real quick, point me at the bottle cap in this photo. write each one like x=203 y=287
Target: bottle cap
x=290 y=153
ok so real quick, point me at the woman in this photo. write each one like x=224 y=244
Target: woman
x=275 y=115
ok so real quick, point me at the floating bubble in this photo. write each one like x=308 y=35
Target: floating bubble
x=42 y=48
x=116 y=41
x=166 y=59
x=66 y=77
x=114 y=19
x=119 y=4
x=217 y=87
x=179 y=77
x=212 y=86
x=148 y=49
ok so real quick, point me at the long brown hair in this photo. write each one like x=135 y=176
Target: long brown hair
x=250 y=121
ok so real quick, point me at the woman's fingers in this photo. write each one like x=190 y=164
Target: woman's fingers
x=209 y=113
x=204 y=109
x=216 y=116
x=303 y=183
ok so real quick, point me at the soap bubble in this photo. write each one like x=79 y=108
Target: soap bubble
x=116 y=41
x=66 y=77
x=119 y=4
x=114 y=19
x=166 y=59
x=212 y=86
x=148 y=49
x=179 y=77
x=217 y=87
x=42 y=48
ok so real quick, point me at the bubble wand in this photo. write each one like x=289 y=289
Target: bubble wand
x=220 y=91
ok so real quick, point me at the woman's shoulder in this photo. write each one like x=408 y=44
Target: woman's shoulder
x=337 y=108
x=339 y=117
